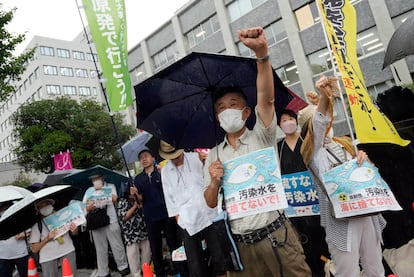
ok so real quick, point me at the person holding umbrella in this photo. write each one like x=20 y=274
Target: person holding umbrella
x=13 y=251
x=111 y=232
x=51 y=251
x=261 y=257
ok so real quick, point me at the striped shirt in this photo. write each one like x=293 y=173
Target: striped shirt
x=337 y=230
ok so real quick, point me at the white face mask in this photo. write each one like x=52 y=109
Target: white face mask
x=289 y=126
x=46 y=210
x=97 y=184
x=231 y=120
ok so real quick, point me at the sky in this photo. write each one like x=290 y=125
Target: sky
x=60 y=19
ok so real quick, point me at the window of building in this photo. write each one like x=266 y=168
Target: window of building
x=238 y=8
x=53 y=89
x=307 y=15
x=368 y=42
x=63 y=53
x=93 y=74
x=138 y=73
x=25 y=85
x=50 y=70
x=90 y=56
x=288 y=74
x=275 y=32
x=202 y=31
x=320 y=61
x=66 y=71
x=77 y=55
x=374 y=90
x=94 y=91
x=81 y=73
x=243 y=50
x=165 y=56
x=69 y=90
x=85 y=91
x=46 y=51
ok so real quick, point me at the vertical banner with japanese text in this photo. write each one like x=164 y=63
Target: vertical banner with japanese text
x=371 y=126
x=107 y=24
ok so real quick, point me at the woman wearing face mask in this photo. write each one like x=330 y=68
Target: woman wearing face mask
x=311 y=234
x=51 y=251
x=109 y=233
x=356 y=241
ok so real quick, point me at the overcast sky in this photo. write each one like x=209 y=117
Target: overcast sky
x=60 y=18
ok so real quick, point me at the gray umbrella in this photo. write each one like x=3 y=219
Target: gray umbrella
x=401 y=43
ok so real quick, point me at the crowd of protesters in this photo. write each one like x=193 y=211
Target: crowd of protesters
x=179 y=201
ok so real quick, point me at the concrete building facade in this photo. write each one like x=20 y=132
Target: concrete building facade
x=58 y=68
x=298 y=49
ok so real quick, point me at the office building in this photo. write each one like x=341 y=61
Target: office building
x=298 y=49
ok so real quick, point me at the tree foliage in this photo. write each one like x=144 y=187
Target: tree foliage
x=47 y=127
x=11 y=67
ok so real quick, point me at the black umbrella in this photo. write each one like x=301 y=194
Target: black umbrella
x=401 y=43
x=176 y=104
x=22 y=215
x=56 y=177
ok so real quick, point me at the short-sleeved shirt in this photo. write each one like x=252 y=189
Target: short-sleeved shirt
x=133 y=229
x=12 y=248
x=184 y=194
x=251 y=140
x=52 y=250
x=337 y=230
x=153 y=202
x=110 y=208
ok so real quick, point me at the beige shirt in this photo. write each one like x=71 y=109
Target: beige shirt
x=251 y=140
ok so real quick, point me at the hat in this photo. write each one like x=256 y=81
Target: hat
x=168 y=152
x=50 y=201
x=305 y=114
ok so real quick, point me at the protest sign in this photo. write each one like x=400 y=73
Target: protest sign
x=252 y=184
x=61 y=220
x=357 y=190
x=100 y=197
x=300 y=194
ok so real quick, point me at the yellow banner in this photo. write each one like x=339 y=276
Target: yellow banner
x=371 y=126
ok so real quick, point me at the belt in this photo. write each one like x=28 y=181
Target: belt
x=258 y=235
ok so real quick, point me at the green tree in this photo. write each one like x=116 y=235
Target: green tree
x=46 y=127
x=11 y=67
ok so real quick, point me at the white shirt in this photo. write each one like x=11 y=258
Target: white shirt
x=52 y=250
x=183 y=188
x=110 y=208
x=12 y=248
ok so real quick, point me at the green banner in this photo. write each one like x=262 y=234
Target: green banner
x=107 y=24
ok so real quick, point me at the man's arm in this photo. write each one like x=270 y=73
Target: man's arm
x=255 y=39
